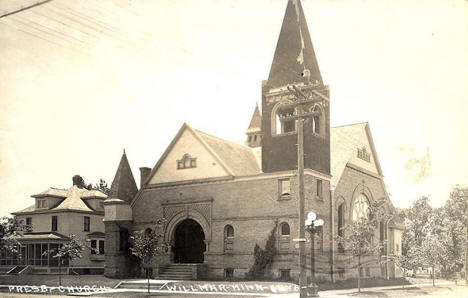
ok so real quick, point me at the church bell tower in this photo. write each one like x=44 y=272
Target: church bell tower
x=295 y=67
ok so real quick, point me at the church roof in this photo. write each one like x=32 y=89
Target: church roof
x=240 y=159
x=124 y=185
x=344 y=142
x=294 y=51
x=256 y=122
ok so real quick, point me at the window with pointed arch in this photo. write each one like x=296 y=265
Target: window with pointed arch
x=280 y=123
x=318 y=121
x=228 y=238
x=284 y=237
x=360 y=208
x=187 y=162
x=341 y=221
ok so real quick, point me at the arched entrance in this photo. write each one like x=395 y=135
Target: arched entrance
x=189 y=242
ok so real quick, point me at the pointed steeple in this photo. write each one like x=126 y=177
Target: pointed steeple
x=254 y=132
x=294 y=60
x=124 y=186
x=256 y=122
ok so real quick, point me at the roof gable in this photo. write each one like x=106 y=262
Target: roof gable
x=345 y=142
x=188 y=143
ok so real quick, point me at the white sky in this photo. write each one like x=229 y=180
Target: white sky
x=81 y=80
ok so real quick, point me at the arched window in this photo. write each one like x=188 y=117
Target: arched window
x=284 y=239
x=340 y=226
x=285 y=231
x=318 y=121
x=281 y=121
x=360 y=207
x=228 y=238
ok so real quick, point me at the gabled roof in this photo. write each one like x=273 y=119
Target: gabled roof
x=343 y=145
x=124 y=186
x=294 y=51
x=256 y=122
x=235 y=159
x=239 y=158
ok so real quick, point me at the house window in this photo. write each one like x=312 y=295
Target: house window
x=54 y=224
x=285 y=274
x=86 y=222
x=284 y=187
x=363 y=154
x=29 y=223
x=41 y=204
x=319 y=188
x=228 y=238
x=97 y=247
x=228 y=273
x=186 y=162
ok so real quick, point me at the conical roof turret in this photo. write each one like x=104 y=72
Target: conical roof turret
x=255 y=122
x=124 y=186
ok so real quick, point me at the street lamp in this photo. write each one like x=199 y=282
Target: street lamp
x=311 y=225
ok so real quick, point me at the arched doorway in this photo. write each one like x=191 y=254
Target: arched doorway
x=189 y=242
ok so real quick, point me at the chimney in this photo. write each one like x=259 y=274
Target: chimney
x=144 y=173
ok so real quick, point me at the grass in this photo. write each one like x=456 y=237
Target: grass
x=53 y=280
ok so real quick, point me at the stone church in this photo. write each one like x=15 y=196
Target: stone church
x=221 y=198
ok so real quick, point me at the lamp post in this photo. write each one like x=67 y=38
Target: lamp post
x=311 y=225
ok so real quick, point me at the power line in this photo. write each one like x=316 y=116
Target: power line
x=24 y=8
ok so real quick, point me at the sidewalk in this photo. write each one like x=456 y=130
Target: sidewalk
x=345 y=292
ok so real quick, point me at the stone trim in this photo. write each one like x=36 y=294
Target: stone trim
x=363 y=171
x=266 y=217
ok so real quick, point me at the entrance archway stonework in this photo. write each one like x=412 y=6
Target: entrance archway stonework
x=200 y=211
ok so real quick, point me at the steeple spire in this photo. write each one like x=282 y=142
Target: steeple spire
x=294 y=60
x=254 y=132
x=124 y=186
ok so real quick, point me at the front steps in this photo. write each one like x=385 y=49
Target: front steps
x=178 y=271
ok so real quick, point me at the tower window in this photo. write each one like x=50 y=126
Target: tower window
x=340 y=226
x=283 y=123
x=319 y=189
x=316 y=124
x=187 y=162
x=285 y=232
x=284 y=188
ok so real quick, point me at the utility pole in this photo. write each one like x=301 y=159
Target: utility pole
x=300 y=116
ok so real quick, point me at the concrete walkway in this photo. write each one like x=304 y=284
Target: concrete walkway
x=345 y=292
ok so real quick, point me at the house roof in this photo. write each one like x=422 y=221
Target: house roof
x=294 y=51
x=52 y=192
x=42 y=236
x=72 y=199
